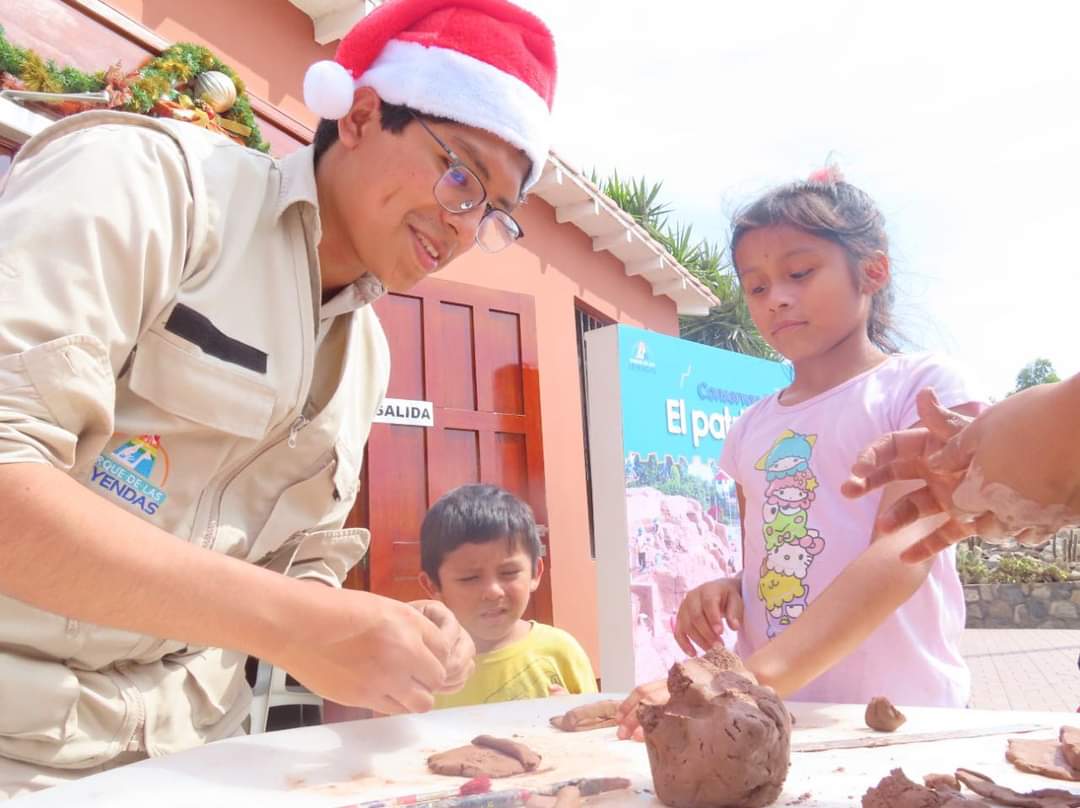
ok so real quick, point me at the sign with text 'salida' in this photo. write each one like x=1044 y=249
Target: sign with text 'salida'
x=666 y=516
x=405 y=412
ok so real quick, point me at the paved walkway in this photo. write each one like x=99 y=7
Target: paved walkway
x=1023 y=669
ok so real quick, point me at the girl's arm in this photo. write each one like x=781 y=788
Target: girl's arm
x=859 y=600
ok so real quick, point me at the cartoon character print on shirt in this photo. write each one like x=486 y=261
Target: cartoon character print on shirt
x=791 y=545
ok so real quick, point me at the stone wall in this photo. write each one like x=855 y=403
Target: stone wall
x=1055 y=605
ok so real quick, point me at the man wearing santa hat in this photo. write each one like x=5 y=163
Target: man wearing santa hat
x=189 y=366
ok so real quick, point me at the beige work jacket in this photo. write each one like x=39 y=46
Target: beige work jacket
x=163 y=342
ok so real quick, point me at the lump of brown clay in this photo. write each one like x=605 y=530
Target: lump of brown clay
x=882 y=716
x=897 y=791
x=485 y=757
x=721 y=740
x=597 y=715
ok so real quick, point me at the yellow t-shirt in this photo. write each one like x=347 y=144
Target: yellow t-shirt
x=526 y=669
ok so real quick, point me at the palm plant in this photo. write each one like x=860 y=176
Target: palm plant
x=727 y=325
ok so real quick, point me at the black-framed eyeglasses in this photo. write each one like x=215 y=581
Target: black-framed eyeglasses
x=459 y=190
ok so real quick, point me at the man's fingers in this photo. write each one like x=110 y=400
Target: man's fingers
x=948 y=534
x=414 y=696
x=896 y=456
x=387 y=705
x=952 y=457
x=941 y=421
x=907 y=510
x=1034 y=535
x=427 y=666
x=988 y=526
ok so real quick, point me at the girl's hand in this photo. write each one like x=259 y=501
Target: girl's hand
x=1009 y=473
x=703 y=613
x=555 y=689
x=649 y=693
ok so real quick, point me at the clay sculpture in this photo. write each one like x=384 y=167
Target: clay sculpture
x=882 y=716
x=485 y=757
x=721 y=740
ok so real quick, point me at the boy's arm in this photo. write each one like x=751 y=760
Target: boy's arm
x=858 y=600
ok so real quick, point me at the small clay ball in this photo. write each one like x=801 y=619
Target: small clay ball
x=882 y=716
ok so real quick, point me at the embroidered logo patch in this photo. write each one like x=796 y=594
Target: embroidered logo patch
x=128 y=470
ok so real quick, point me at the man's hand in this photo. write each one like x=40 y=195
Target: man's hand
x=462 y=659
x=648 y=693
x=364 y=650
x=1009 y=473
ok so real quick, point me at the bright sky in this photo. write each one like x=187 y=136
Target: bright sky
x=961 y=118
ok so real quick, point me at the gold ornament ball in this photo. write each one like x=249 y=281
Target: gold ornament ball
x=216 y=89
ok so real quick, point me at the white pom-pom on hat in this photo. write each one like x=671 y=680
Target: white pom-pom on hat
x=328 y=90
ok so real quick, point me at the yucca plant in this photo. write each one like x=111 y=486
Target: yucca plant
x=726 y=326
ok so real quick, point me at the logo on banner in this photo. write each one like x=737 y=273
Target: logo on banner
x=134 y=472
x=640 y=359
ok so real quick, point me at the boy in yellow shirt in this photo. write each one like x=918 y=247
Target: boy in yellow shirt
x=480 y=555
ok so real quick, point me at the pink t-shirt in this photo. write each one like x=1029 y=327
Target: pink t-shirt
x=801 y=532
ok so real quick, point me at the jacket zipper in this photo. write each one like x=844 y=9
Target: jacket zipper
x=289 y=438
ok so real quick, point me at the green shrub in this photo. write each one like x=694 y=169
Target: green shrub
x=1022 y=569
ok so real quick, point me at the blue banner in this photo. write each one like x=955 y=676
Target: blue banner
x=679 y=400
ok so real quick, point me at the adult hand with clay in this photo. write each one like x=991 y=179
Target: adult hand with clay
x=704 y=611
x=627 y=713
x=1011 y=473
x=365 y=650
x=461 y=661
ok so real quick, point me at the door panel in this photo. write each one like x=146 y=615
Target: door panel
x=472 y=353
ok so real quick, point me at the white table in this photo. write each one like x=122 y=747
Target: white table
x=340 y=764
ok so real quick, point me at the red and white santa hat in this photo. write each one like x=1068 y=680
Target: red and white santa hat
x=483 y=63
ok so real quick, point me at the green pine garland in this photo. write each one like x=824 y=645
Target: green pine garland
x=177 y=65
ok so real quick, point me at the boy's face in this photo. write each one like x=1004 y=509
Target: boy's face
x=487 y=587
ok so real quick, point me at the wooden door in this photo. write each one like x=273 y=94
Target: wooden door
x=472 y=353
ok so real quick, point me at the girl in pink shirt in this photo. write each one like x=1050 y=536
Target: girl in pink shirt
x=824 y=611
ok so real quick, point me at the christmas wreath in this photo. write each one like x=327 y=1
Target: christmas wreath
x=186 y=82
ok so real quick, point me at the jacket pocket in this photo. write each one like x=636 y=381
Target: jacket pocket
x=38 y=699
x=320 y=502
x=200 y=388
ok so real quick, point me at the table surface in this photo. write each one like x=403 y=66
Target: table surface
x=339 y=764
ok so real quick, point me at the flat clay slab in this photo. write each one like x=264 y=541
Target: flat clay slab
x=1040 y=757
x=485 y=757
x=597 y=715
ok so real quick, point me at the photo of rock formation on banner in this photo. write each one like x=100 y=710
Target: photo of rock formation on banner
x=683 y=526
